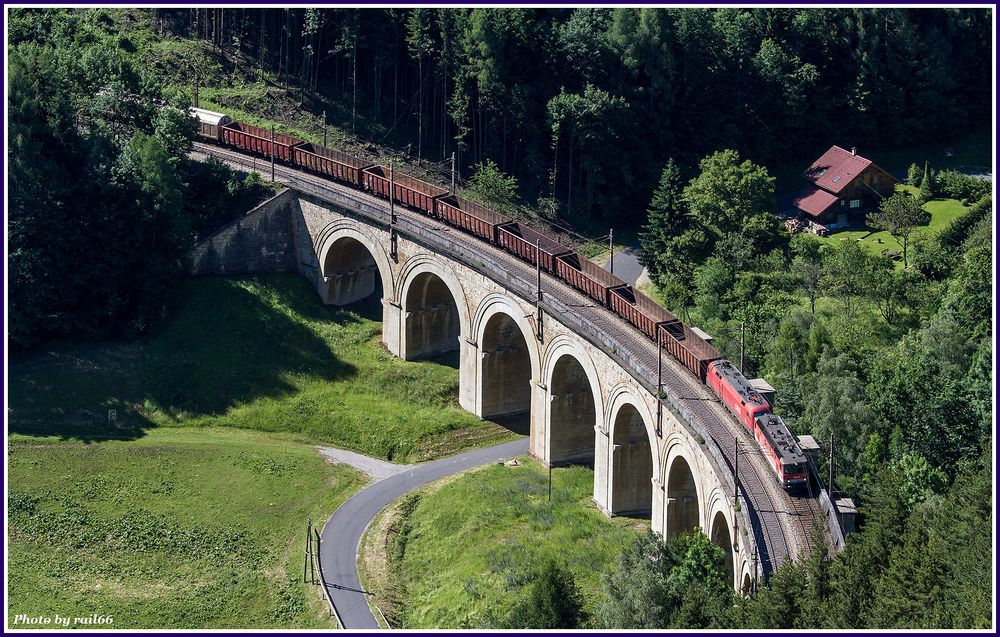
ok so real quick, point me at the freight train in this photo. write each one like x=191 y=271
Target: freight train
x=684 y=343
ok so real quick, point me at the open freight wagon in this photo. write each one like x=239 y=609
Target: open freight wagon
x=641 y=311
x=257 y=140
x=689 y=348
x=331 y=163
x=410 y=191
x=470 y=216
x=532 y=246
x=585 y=275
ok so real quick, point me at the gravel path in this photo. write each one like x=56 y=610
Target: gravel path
x=373 y=467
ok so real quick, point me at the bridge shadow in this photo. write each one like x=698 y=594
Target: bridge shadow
x=447 y=359
x=226 y=342
x=516 y=423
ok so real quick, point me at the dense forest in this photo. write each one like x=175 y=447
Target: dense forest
x=104 y=201
x=663 y=119
x=545 y=93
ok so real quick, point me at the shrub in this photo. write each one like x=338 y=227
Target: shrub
x=955 y=185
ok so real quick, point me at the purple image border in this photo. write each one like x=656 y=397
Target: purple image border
x=559 y=4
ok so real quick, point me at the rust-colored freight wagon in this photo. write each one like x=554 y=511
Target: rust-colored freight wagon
x=410 y=191
x=586 y=276
x=689 y=348
x=331 y=163
x=521 y=240
x=640 y=310
x=255 y=139
x=470 y=216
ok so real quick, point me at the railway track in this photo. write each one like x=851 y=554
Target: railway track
x=783 y=523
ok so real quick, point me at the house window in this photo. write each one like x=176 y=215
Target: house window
x=855 y=203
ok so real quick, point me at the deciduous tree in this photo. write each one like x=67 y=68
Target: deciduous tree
x=729 y=191
x=899 y=215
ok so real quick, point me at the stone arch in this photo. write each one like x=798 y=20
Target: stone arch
x=682 y=505
x=633 y=468
x=746 y=585
x=721 y=536
x=508 y=359
x=353 y=265
x=575 y=407
x=435 y=311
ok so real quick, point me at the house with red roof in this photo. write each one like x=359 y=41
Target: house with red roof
x=844 y=187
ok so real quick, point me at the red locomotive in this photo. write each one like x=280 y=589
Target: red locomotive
x=782 y=451
x=684 y=343
x=750 y=408
x=736 y=392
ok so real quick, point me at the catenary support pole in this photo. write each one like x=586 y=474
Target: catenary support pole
x=392 y=213
x=538 y=290
x=742 y=341
x=611 y=245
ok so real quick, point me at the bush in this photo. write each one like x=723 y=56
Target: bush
x=914 y=175
x=554 y=602
x=955 y=233
x=955 y=185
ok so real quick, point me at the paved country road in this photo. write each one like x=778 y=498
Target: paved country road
x=627 y=266
x=342 y=533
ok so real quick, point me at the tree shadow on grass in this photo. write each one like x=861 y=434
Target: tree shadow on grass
x=226 y=342
x=235 y=340
x=88 y=392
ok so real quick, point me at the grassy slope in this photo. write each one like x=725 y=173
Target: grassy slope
x=178 y=529
x=474 y=543
x=256 y=353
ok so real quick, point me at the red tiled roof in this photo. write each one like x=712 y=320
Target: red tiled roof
x=835 y=169
x=814 y=201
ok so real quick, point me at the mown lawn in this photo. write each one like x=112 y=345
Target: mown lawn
x=941 y=211
x=180 y=528
x=259 y=353
x=470 y=549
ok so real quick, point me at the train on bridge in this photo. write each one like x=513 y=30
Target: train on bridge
x=683 y=342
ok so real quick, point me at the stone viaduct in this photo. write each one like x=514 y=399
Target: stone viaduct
x=442 y=291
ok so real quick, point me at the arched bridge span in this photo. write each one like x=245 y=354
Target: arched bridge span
x=583 y=380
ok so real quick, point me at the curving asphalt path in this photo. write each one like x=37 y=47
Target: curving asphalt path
x=342 y=534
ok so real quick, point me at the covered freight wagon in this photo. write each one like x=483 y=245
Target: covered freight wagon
x=470 y=216
x=410 y=191
x=257 y=140
x=332 y=163
x=210 y=123
x=530 y=245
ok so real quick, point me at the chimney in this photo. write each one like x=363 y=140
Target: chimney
x=854 y=150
